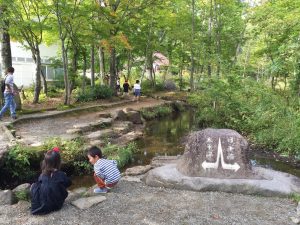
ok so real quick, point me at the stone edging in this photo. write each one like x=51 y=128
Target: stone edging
x=60 y=113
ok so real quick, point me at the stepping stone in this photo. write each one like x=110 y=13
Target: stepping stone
x=102 y=123
x=122 y=127
x=104 y=115
x=137 y=170
x=85 y=203
x=82 y=126
x=74 y=131
x=100 y=134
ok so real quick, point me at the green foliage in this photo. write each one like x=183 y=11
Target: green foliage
x=156 y=112
x=148 y=88
x=295 y=197
x=82 y=167
x=122 y=155
x=98 y=92
x=17 y=162
x=70 y=150
x=250 y=108
x=22 y=195
x=63 y=107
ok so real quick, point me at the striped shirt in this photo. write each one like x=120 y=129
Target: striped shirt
x=107 y=170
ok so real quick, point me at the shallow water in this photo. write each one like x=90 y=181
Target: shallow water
x=165 y=137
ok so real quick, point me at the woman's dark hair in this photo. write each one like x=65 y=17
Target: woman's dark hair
x=51 y=162
x=93 y=151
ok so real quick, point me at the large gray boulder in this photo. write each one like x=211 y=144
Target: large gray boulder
x=218 y=153
x=272 y=183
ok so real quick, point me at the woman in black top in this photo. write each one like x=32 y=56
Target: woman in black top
x=49 y=192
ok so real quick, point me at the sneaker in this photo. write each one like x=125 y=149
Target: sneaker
x=100 y=190
x=14 y=117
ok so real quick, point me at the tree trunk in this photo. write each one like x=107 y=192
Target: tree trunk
x=37 y=59
x=93 y=66
x=128 y=65
x=66 y=73
x=84 y=72
x=192 y=48
x=209 y=52
x=5 y=44
x=218 y=38
x=150 y=67
x=112 y=71
x=45 y=86
x=101 y=64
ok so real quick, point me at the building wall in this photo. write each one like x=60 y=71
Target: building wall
x=24 y=65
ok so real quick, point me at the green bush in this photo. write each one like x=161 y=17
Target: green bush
x=17 y=162
x=22 y=195
x=71 y=151
x=122 y=155
x=98 y=92
x=160 y=111
x=251 y=108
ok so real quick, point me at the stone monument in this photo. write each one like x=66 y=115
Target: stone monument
x=221 y=153
x=217 y=160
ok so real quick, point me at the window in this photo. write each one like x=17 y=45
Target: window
x=20 y=59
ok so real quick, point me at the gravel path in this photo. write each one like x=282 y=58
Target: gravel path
x=33 y=131
x=136 y=203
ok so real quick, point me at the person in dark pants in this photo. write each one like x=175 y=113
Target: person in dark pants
x=126 y=87
x=49 y=192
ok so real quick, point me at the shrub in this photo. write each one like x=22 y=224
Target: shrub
x=71 y=151
x=17 y=163
x=98 y=92
x=250 y=108
x=170 y=85
x=122 y=155
x=160 y=111
x=22 y=195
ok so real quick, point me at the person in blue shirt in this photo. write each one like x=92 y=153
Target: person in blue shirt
x=106 y=172
x=50 y=191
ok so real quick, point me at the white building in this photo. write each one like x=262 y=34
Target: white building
x=24 y=65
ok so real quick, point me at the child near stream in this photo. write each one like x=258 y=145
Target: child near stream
x=106 y=172
x=49 y=192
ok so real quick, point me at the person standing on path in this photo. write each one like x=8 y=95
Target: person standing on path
x=126 y=87
x=137 y=90
x=9 y=93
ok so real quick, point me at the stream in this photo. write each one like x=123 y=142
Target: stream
x=165 y=137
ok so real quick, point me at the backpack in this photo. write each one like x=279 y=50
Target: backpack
x=3 y=85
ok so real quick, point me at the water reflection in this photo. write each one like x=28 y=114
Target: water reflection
x=164 y=136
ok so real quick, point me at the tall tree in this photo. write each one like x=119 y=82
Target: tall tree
x=6 y=59
x=28 y=25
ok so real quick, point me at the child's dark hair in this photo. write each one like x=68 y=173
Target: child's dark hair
x=137 y=81
x=93 y=151
x=51 y=162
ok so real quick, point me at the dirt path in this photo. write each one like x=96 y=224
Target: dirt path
x=37 y=130
x=138 y=204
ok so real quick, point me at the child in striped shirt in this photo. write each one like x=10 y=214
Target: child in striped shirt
x=106 y=171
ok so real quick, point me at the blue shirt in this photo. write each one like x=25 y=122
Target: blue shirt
x=107 y=170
